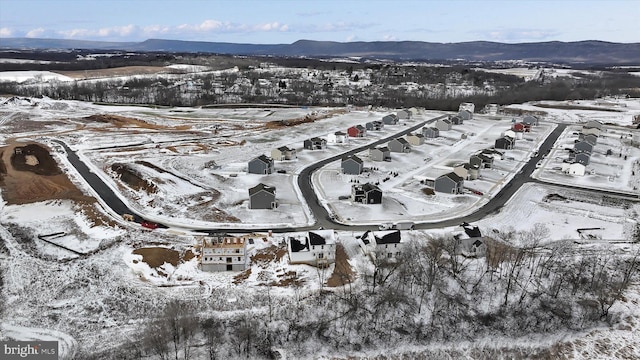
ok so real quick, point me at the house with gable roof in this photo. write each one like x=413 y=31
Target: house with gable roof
x=415 y=139
x=317 y=248
x=366 y=193
x=443 y=124
x=224 y=254
x=382 y=245
x=380 y=154
x=339 y=137
x=391 y=119
x=315 y=143
x=262 y=196
x=399 y=145
x=357 y=131
x=352 y=165
x=404 y=114
x=430 y=132
x=449 y=183
x=261 y=165
x=283 y=153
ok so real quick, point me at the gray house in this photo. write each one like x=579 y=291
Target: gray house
x=415 y=139
x=390 y=119
x=482 y=161
x=465 y=115
x=366 y=193
x=590 y=138
x=283 y=153
x=583 y=146
x=449 y=183
x=443 y=124
x=430 y=132
x=262 y=196
x=315 y=143
x=583 y=158
x=505 y=142
x=404 y=114
x=399 y=145
x=261 y=165
x=456 y=120
x=380 y=154
x=352 y=165
x=530 y=120
x=374 y=125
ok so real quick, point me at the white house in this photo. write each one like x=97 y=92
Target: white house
x=223 y=254
x=382 y=245
x=574 y=169
x=339 y=137
x=317 y=248
x=467 y=106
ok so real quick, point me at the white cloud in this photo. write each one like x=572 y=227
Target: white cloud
x=6 y=32
x=34 y=33
x=389 y=38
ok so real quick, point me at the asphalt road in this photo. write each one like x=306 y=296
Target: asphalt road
x=320 y=213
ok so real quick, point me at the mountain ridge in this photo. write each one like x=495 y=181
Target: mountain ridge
x=585 y=51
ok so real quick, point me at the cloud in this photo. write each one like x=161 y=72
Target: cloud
x=389 y=38
x=34 y=33
x=333 y=27
x=6 y=32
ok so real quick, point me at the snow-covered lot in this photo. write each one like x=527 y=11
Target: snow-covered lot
x=50 y=293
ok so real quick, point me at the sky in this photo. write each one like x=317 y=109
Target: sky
x=286 y=21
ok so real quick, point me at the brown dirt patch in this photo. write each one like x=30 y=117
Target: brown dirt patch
x=156 y=256
x=242 y=276
x=289 y=278
x=309 y=118
x=23 y=183
x=343 y=273
x=428 y=191
x=127 y=122
x=133 y=179
x=268 y=255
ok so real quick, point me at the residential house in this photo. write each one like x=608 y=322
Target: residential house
x=583 y=158
x=374 y=125
x=357 y=131
x=473 y=171
x=339 y=137
x=505 y=142
x=391 y=119
x=380 y=154
x=531 y=120
x=430 y=132
x=470 y=107
x=590 y=138
x=283 y=153
x=583 y=146
x=470 y=247
x=449 y=183
x=415 y=139
x=383 y=246
x=593 y=124
x=404 y=114
x=456 y=120
x=318 y=248
x=462 y=171
x=481 y=161
x=399 y=145
x=262 y=196
x=443 y=124
x=591 y=130
x=224 y=254
x=521 y=127
x=315 y=143
x=352 y=165
x=261 y=165
x=366 y=193
x=574 y=169
x=465 y=115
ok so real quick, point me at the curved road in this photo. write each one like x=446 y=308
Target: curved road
x=320 y=213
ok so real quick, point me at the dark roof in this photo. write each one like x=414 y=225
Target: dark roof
x=390 y=238
x=354 y=158
x=263 y=158
x=453 y=176
x=369 y=187
x=316 y=239
x=296 y=245
x=261 y=187
x=402 y=141
x=472 y=231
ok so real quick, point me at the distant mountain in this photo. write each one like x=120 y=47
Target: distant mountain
x=589 y=52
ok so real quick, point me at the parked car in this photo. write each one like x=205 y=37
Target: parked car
x=149 y=225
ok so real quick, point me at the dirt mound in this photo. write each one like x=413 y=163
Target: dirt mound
x=30 y=174
x=34 y=158
x=157 y=256
x=268 y=255
x=133 y=179
x=343 y=273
